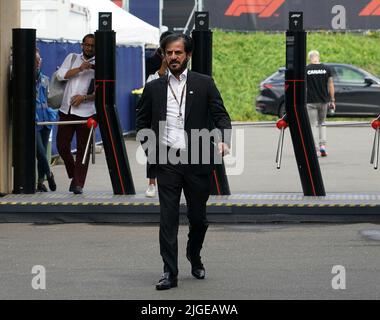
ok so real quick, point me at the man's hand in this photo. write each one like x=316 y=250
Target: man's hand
x=85 y=66
x=77 y=100
x=332 y=105
x=223 y=148
x=73 y=72
x=163 y=68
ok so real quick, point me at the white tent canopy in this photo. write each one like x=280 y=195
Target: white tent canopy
x=72 y=19
x=129 y=29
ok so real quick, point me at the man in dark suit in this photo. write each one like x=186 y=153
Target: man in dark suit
x=174 y=107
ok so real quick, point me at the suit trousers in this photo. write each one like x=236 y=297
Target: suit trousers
x=74 y=168
x=171 y=180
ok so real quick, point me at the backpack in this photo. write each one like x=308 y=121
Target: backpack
x=57 y=88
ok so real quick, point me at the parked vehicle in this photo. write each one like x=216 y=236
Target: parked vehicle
x=357 y=92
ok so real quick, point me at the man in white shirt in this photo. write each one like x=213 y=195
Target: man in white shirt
x=151 y=168
x=162 y=71
x=77 y=104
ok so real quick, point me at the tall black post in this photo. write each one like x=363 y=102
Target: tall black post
x=202 y=63
x=295 y=104
x=24 y=110
x=109 y=124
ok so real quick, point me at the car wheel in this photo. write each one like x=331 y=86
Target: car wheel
x=281 y=110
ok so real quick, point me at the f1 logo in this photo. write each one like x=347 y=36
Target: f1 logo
x=264 y=8
x=372 y=9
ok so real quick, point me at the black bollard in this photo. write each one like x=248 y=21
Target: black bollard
x=109 y=124
x=24 y=111
x=295 y=104
x=202 y=63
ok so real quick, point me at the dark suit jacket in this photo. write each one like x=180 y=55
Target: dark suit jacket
x=204 y=109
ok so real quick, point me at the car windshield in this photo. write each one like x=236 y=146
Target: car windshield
x=278 y=76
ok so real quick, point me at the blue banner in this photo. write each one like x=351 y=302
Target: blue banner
x=147 y=10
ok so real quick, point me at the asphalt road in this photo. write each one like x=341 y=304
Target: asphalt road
x=280 y=261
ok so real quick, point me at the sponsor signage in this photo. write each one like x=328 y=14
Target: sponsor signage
x=272 y=15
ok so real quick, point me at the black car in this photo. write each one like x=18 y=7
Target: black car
x=357 y=92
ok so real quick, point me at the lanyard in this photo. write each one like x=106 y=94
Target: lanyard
x=175 y=97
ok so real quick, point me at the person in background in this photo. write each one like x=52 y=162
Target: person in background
x=43 y=114
x=320 y=97
x=154 y=62
x=162 y=71
x=78 y=104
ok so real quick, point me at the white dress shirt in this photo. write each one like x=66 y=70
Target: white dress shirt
x=77 y=85
x=174 y=135
x=152 y=77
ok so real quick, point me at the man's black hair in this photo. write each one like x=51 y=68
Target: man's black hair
x=188 y=41
x=90 y=35
x=165 y=34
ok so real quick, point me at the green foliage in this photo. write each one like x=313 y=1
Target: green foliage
x=242 y=60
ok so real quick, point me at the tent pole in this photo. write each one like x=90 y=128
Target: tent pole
x=200 y=5
x=190 y=17
x=125 y=5
x=143 y=63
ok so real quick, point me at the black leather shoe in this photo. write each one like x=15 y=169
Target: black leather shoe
x=167 y=281
x=51 y=182
x=77 y=190
x=41 y=187
x=197 y=269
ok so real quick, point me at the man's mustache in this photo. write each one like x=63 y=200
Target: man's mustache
x=177 y=62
